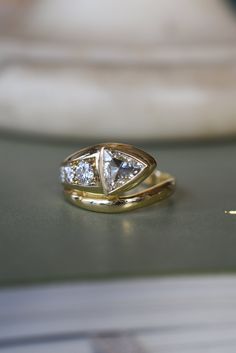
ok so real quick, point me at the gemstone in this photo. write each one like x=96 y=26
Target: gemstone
x=119 y=168
x=67 y=174
x=84 y=173
x=62 y=174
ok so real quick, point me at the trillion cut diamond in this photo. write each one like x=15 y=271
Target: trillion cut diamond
x=119 y=168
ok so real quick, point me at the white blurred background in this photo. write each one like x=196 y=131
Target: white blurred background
x=150 y=69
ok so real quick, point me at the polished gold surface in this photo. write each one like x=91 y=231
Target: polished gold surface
x=152 y=185
x=162 y=186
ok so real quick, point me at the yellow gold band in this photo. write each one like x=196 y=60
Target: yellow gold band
x=161 y=185
x=99 y=178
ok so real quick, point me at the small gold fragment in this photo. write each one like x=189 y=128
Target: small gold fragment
x=231 y=212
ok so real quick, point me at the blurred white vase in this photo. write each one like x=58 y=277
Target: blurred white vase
x=118 y=69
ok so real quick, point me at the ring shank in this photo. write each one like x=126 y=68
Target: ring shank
x=159 y=186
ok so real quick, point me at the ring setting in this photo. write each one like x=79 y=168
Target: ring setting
x=99 y=178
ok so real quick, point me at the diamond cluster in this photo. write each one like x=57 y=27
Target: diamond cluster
x=81 y=172
x=116 y=169
x=119 y=168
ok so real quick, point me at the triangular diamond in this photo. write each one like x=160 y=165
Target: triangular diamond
x=119 y=168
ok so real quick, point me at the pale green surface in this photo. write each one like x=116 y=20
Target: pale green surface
x=44 y=238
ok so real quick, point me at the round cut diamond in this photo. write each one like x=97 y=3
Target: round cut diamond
x=62 y=175
x=67 y=174
x=84 y=173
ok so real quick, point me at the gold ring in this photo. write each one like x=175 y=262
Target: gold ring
x=99 y=178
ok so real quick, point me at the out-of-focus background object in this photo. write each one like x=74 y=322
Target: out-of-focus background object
x=120 y=68
x=168 y=315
